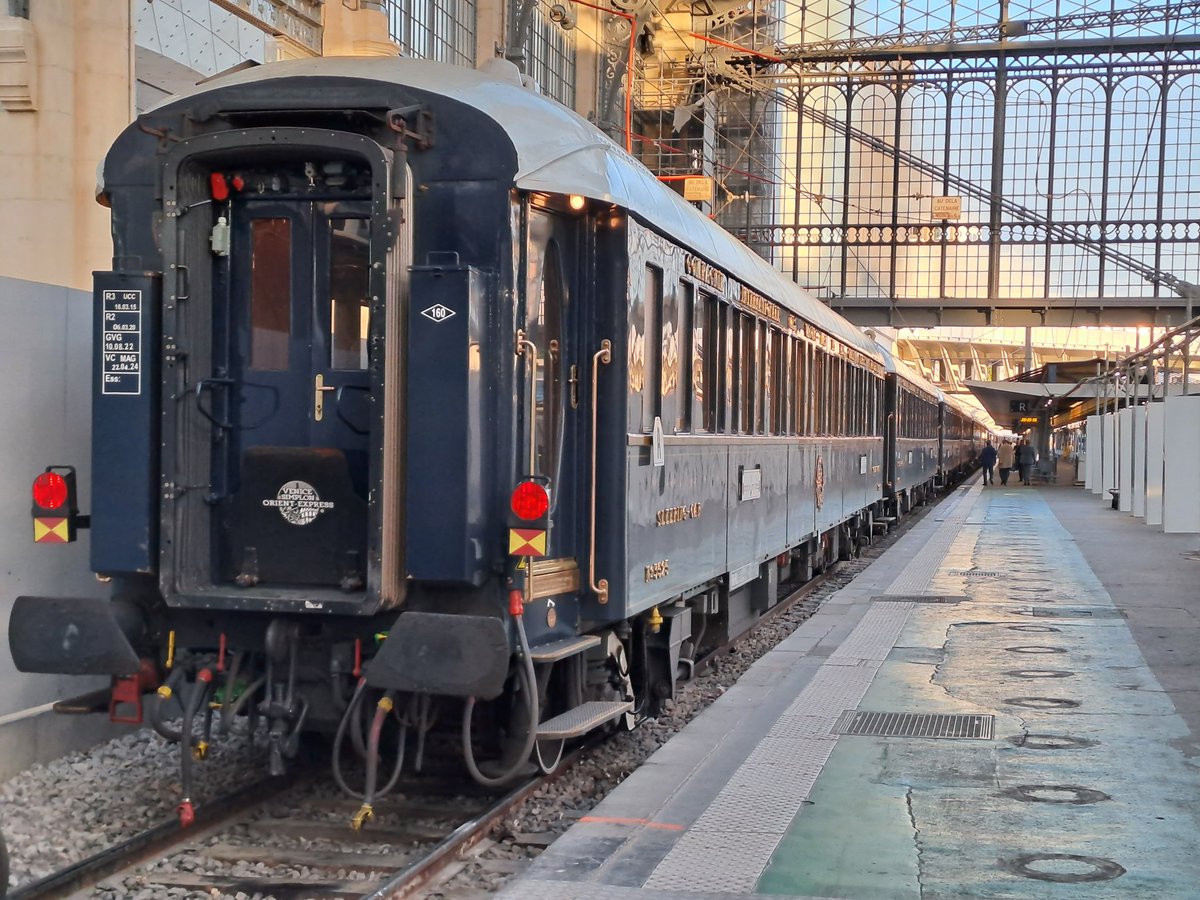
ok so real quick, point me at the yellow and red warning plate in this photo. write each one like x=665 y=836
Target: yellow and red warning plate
x=51 y=531
x=527 y=542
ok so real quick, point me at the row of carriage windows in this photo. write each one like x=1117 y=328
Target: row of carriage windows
x=918 y=416
x=704 y=366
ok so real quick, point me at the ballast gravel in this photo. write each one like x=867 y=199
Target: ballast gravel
x=69 y=809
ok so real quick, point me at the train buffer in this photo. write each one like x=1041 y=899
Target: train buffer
x=1015 y=658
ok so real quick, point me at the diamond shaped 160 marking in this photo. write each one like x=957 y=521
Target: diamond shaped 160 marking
x=437 y=313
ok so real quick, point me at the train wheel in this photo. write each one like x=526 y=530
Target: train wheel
x=620 y=677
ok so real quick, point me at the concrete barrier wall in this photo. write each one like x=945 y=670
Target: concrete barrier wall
x=45 y=407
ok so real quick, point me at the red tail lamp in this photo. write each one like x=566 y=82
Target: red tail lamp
x=50 y=491
x=530 y=501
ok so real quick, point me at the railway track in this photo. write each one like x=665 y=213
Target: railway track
x=290 y=838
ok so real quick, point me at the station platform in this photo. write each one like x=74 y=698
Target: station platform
x=1041 y=653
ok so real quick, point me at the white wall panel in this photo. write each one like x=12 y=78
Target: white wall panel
x=1125 y=459
x=1181 y=488
x=1155 y=423
x=1108 y=462
x=1091 y=480
x=1139 y=461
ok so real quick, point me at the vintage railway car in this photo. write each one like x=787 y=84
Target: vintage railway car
x=412 y=389
x=963 y=436
x=912 y=434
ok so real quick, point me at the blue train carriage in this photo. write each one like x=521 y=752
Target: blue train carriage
x=912 y=429
x=749 y=418
x=401 y=369
x=963 y=436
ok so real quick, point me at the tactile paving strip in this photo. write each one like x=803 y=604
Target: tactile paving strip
x=917 y=574
x=715 y=861
x=876 y=634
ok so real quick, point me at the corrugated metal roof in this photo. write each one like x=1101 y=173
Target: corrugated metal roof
x=559 y=151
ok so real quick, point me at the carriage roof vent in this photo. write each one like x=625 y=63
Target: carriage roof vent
x=502 y=70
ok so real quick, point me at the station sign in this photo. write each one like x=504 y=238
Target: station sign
x=698 y=189
x=947 y=207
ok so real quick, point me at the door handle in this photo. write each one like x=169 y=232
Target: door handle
x=603 y=356
x=319 y=389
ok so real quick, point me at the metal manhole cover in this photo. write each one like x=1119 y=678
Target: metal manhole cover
x=1064 y=868
x=1071 y=794
x=1039 y=673
x=973 y=573
x=1035 y=649
x=1068 y=612
x=915 y=725
x=1033 y=741
x=920 y=598
x=1043 y=702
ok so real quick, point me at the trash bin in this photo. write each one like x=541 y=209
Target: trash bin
x=1116 y=499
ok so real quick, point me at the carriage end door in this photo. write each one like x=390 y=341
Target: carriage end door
x=292 y=395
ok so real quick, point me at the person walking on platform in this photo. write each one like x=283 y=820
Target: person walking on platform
x=1026 y=457
x=1005 y=461
x=987 y=459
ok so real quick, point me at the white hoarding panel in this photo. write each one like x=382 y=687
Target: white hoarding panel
x=1139 y=461
x=1125 y=459
x=1181 y=479
x=1155 y=422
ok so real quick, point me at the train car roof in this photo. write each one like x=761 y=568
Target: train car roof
x=897 y=366
x=559 y=151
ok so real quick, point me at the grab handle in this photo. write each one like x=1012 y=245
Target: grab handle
x=603 y=356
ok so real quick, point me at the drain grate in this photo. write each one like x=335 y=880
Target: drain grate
x=915 y=725
x=920 y=598
x=973 y=573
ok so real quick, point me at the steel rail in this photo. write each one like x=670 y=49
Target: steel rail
x=150 y=844
x=452 y=847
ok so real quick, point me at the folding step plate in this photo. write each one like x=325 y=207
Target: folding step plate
x=915 y=725
x=556 y=650
x=582 y=719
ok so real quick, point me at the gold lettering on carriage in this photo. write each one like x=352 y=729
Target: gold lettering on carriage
x=673 y=515
x=658 y=570
x=703 y=272
x=756 y=302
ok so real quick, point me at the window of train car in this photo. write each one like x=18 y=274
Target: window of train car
x=349 y=295
x=747 y=373
x=651 y=347
x=545 y=329
x=686 y=356
x=270 y=293
x=668 y=350
x=766 y=421
x=728 y=355
x=787 y=384
x=708 y=325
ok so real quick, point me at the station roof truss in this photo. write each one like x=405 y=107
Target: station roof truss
x=1057 y=148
